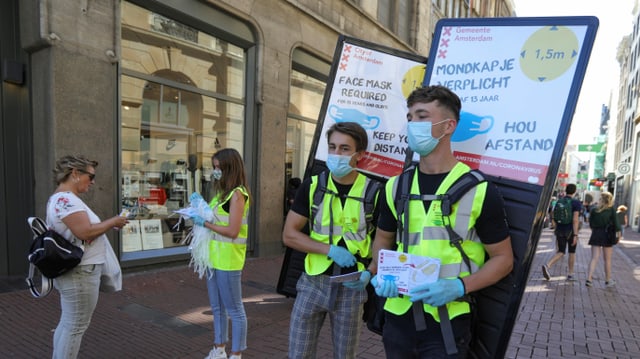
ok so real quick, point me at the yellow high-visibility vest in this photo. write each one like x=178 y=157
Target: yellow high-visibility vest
x=349 y=223
x=227 y=253
x=428 y=236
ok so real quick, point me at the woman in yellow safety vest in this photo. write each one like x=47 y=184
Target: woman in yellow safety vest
x=227 y=251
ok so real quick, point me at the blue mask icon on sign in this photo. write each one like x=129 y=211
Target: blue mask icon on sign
x=471 y=125
x=341 y=114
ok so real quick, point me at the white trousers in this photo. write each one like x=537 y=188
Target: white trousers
x=79 y=289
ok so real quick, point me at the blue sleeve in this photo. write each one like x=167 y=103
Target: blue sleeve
x=576 y=205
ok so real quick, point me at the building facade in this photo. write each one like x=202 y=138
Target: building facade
x=627 y=134
x=152 y=88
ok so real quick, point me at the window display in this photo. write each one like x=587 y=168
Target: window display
x=182 y=99
x=308 y=82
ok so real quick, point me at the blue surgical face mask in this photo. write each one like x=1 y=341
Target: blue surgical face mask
x=339 y=165
x=217 y=174
x=419 y=137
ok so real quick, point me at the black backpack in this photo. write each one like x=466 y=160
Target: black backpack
x=51 y=253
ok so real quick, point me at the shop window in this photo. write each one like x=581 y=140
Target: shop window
x=182 y=99
x=306 y=91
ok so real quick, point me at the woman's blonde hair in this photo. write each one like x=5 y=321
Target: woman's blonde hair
x=66 y=164
x=606 y=201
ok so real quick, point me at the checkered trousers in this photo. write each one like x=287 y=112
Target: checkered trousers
x=313 y=303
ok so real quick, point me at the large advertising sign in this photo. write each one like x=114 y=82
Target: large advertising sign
x=518 y=80
x=370 y=86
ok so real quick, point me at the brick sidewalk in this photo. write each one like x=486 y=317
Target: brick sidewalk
x=562 y=319
x=165 y=314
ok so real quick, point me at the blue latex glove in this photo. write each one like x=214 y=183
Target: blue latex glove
x=195 y=196
x=198 y=221
x=385 y=287
x=438 y=293
x=341 y=256
x=361 y=283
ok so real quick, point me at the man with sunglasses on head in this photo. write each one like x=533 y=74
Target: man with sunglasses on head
x=434 y=320
x=339 y=241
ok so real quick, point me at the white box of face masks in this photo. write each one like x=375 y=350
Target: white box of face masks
x=407 y=270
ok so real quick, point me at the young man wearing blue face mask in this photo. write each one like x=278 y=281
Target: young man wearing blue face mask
x=412 y=326
x=338 y=242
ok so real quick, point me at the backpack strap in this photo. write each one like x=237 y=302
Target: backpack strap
x=318 y=195
x=38 y=226
x=462 y=185
x=401 y=202
x=370 y=196
x=453 y=195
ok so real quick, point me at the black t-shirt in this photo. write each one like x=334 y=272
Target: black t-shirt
x=491 y=226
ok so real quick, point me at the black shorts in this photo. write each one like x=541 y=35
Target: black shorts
x=564 y=239
x=599 y=238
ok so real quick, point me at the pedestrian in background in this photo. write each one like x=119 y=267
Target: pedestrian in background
x=623 y=219
x=227 y=252
x=566 y=232
x=339 y=243
x=416 y=324
x=601 y=217
x=292 y=188
x=68 y=215
x=585 y=213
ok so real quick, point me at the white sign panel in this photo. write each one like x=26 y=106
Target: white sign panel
x=370 y=87
x=518 y=80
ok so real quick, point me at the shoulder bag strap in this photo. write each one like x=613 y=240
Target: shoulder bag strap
x=38 y=226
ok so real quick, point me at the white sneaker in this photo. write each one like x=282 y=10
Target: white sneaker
x=217 y=353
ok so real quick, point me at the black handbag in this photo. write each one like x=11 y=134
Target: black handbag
x=373 y=314
x=50 y=252
x=612 y=236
